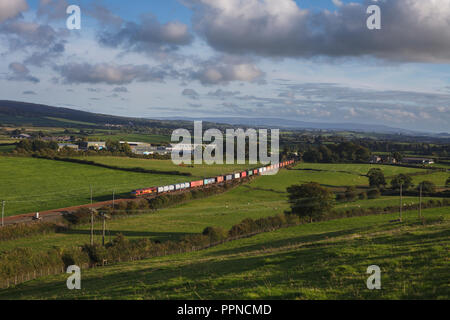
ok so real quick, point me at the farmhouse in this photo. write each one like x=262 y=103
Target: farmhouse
x=21 y=136
x=375 y=159
x=418 y=161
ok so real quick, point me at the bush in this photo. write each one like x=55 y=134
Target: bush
x=374 y=194
x=215 y=234
x=81 y=216
x=362 y=196
x=16 y=231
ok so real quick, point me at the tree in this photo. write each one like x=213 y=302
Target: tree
x=397 y=156
x=427 y=187
x=125 y=148
x=310 y=200
x=376 y=178
x=373 y=194
x=402 y=180
x=113 y=146
x=351 y=194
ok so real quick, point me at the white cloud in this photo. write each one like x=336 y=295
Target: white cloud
x=11 y=8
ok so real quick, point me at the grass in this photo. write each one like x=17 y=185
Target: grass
x=438 y=178
x=7 y=148
x=200 y=171
x=385 y=201
x=360 y=169
x=265 y=196
x=326 y=260
x=132 y=137
x=30 y=185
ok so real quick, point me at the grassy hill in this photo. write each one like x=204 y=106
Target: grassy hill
x=326 y=260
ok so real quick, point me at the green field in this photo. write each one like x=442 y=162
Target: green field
x=361 y=169
x=326 y=260
x=200 y=171
x=30 y=185
x=265 y=196
x=132 y=137
x=7 y=148
x=438 y=178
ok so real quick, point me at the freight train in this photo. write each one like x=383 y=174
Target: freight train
x=209 y=181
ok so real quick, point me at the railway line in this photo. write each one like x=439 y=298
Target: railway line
x=55 y=214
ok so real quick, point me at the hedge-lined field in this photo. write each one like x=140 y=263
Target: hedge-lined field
x=326 y=260
x=201 y=171
x=264 y=196
x=30 y=185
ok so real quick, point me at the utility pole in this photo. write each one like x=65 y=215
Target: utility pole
x=104 y=228
x=401 y=201
x=420 y=202
x=3 y=213
x=92 y=221
x=114 y=198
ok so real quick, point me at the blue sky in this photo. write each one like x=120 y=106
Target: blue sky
x=310 y=60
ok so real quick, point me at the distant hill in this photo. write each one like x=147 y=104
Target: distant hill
x=22 y=113
x=295 y=124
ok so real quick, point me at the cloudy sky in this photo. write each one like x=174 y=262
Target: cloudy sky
x=310 y=60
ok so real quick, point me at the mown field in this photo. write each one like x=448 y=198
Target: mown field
x=326 y=260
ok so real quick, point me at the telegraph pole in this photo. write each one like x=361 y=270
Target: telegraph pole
x=3 y=213
x=401 y=201
x=420 y=202
x=104 y=228
x=114 y=198
x=92 y=221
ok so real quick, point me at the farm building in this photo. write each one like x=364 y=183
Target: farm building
x=21 y=136
x=418 y=161
x=97 y=145
x=375 y=159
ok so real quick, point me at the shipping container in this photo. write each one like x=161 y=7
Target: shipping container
x=160 y=189
x=209 y=181
x=229 y=177
x=195 y=184
x=220 y=179
x=237 y=175
x=243 y=174
x=255 y=172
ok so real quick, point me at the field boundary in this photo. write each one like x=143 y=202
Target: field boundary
x=106 y=166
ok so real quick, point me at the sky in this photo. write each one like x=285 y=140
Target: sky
x=306 y=60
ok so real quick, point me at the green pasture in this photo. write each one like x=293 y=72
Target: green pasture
x=200 y=171
x=326 y=260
